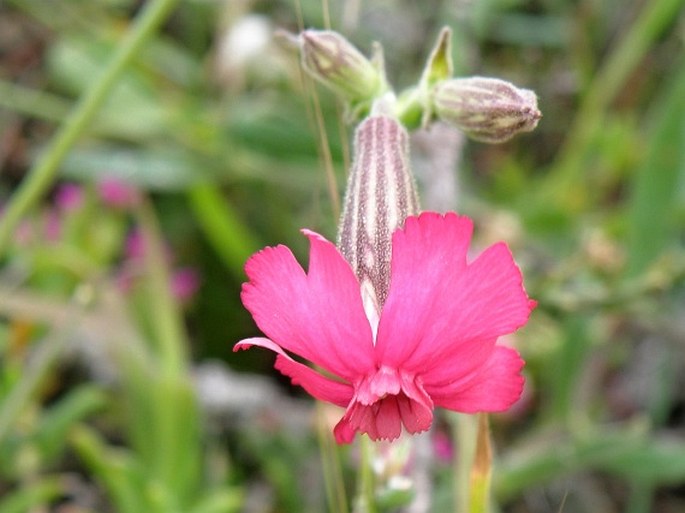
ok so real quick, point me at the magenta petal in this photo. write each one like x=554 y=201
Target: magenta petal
x=314 y=383
x=388 y=420
x=416 y=408
x=344 y=432
x=495 y=387
x=318 y=315
x=425 y=253
x=442 y=317
x=383 y=404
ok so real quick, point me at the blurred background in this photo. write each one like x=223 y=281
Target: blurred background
x=119 y=287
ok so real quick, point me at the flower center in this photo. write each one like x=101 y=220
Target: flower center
x=387 y=400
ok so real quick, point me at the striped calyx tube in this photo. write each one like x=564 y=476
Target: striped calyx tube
x=380 y=195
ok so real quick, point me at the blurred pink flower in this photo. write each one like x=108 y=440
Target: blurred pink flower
x=432 y=344
x=116 y=193
x=69 y=197
x=52 y=228
x=135 y=245
x=184 y=283
x=443 y=447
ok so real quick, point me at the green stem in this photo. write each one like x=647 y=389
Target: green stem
x=42 y=174
x=167 y=323
x=330 y=460
x=464 y=434
x=367 y=484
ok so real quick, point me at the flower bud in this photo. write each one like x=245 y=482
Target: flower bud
x=335 y=62
x=380 y=195
x=486 y=109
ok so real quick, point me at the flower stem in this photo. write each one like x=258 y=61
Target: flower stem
x=481 y=471
x=464 y=430
x=367 y=485
x=43 y=172
x=330 y=460
x=168 y=326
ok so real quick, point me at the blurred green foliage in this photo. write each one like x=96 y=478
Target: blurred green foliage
x=223 y=147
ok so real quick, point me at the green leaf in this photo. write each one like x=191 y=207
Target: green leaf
x=654 y=195
x=56 y=422
x=223 y=227
x=158 y=168
x=225 y=500
x=117 y=470
x=658 y=460
x=34 y=496
x=439 y=65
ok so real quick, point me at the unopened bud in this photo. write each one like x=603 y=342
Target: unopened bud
x=486 y=109
x=335 y=62
x=380 y=196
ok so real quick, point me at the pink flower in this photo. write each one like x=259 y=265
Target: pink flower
x=117 y=193
x=443 y=447
x=52 y=228
x=184 y=283
x=134 y=248
x=433 y=343
x=69 y=197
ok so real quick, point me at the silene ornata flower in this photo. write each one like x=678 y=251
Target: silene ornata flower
x=396 y=319
x=433 y=343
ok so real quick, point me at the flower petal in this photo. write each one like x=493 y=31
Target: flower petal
x=492 y=303
x=382 y=416
x=318 y=315
x=424 y=252
x=416 y=408
x=343 y=431
x=443 y=316
x=495 y=387
x=315 y=384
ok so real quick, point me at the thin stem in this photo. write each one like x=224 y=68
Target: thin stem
x=325 y=151
x=330 y=460
x=464 y=433
x=481 y=471
x=167 y=323
x=43 y=173
x=367 y=484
